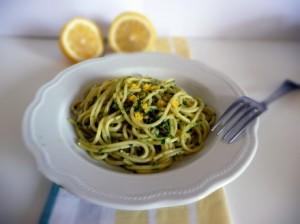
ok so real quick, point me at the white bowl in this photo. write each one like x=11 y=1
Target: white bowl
x=50 y=137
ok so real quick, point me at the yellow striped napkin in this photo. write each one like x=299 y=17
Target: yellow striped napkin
x=210 y=210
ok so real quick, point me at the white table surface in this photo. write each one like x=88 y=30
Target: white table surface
x=267 y=192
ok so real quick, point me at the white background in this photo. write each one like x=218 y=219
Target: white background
x=230 y=19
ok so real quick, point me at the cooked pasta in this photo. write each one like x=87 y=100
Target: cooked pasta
x=140 y=123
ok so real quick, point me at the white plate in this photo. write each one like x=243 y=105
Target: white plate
x=50 y=137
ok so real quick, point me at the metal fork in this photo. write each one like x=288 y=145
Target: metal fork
x=242 y=112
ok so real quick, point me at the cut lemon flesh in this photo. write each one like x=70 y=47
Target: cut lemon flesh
x=131 y=32
x=81 y=39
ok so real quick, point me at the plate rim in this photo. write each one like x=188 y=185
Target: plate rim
x=222 y=178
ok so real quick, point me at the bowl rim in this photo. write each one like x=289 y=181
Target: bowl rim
x=134 y=202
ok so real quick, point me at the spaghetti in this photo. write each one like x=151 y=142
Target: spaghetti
x=140 y=123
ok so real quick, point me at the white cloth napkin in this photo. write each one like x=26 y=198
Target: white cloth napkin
x=63 y=207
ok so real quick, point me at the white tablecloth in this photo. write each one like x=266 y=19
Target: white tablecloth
x=268 y=191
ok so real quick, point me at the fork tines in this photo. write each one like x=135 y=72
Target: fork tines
x=236 y=118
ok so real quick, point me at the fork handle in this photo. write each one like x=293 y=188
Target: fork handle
x=286 y=87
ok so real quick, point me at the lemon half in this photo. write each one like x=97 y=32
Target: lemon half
x=130 y=32
x=81 y=39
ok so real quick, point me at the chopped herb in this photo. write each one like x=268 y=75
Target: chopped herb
x=113 y=107
x=164 y=129
x=152 y=116
x=138 y=106
x=127 y=105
